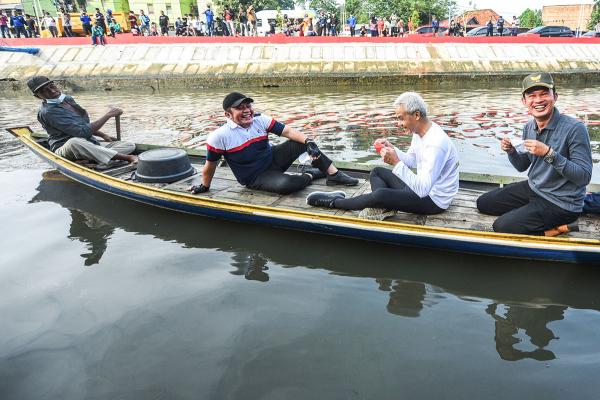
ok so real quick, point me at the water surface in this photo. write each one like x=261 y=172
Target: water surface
x=345 y=120
x=103 y=298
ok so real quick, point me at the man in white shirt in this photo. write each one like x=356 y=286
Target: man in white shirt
x=429 y=191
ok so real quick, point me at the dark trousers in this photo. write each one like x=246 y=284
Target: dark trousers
x=522 y=211
x=87 y=29
x=352 y=31
x=68 y=31
x=20 y=30
x=389 y=192
x=275 y=180
x=5 y=31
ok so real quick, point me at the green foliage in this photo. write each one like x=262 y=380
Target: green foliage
x=279 y=18
x=419 y=10
x=530 y=18
x=325 y=5
x=595 y=18
x=219 y=5
x=415 y=18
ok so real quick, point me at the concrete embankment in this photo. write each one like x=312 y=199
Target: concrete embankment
x=291 y=64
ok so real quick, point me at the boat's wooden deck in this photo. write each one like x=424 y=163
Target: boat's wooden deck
x=462 y=214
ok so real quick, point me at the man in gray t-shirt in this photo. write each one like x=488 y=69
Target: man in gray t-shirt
x=556 y=149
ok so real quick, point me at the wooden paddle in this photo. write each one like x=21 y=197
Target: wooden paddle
x=118 y=126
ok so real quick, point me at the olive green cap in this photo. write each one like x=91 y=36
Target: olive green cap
x=542 y=79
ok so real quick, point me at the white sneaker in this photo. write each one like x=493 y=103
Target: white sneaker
x=376 y=214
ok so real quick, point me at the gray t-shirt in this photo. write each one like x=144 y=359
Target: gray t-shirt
x=563 y=182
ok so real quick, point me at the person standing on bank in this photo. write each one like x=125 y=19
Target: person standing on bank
x=557 y=151
x=243 y=141
x=163 y=21
x=429 y=191
x=71 y=134
x=86 y=23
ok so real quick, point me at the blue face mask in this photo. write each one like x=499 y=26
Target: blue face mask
x=58 y=100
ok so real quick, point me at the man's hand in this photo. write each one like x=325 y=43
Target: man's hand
x=383 y=143
x=312 y=149
x=507 y=146
x=114 y=112
x=198 y=189
x=389 y=156
x=536 y=147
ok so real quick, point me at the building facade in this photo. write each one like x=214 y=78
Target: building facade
x=172 y=8
x=576 y=16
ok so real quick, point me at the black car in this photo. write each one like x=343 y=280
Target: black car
x=482 y=31
x=549 y=31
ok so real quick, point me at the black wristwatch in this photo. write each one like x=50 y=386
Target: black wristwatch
x=550 y=156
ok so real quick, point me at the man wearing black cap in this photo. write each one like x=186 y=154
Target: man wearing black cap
x=556 y=149
x=243 y=141
x=71 y=134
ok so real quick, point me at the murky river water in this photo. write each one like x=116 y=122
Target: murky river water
x=103 y=298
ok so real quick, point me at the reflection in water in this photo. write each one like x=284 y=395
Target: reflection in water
x=533 y=320
x=251 y=265
x=411 y=287
x=93 y=232
x=406 y=297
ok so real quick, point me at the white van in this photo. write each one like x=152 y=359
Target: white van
x=265 y=17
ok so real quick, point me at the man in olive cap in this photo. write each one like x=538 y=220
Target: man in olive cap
x=71 y=134
x=556 y=149
x=243 y=141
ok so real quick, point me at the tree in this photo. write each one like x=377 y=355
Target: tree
x=595 y=18
x=530 y=18
x=324 y=5
x=258 y=4
x=419 y=10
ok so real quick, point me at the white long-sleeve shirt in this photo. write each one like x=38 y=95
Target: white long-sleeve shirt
x=436 y=160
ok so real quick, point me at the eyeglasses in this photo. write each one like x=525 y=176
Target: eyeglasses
x=47 y=86
x=243 y=107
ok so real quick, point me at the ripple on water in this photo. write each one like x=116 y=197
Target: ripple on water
x=346 y=122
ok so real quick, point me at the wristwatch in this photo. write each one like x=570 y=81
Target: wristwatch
x=550 y=156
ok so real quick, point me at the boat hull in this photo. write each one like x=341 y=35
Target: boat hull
x=482 y=243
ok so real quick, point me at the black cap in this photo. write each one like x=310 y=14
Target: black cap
x=542 y=79
x=234 y=99
x=38 y=82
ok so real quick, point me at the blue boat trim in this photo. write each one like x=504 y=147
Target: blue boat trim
x=358 y=232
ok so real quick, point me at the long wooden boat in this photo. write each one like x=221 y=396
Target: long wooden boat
x=460 y=229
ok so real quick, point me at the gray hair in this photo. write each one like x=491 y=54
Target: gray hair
x=412 y=103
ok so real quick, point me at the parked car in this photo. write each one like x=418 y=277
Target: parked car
x=427 y=30
x=590 y=34
x=549 y=31
x=482 y=31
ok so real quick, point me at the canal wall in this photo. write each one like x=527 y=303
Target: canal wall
x=290 y=64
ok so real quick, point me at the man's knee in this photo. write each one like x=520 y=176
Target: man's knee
x=124 y=147
x=291 y=184
x=484 y=204
x=505 y=224
x=376 y=171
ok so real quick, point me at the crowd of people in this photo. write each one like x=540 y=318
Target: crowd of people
x=230 y=22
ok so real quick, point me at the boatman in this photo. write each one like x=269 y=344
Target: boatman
x=557 y=152
x=243 y=141
x=431 y=152
x=71 y=134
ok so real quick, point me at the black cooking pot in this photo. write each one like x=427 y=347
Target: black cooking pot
x=163 y=166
